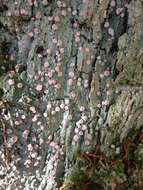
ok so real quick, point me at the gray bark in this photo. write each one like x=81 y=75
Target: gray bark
x=71 y=94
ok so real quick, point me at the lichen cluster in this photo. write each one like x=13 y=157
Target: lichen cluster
x=70 y=80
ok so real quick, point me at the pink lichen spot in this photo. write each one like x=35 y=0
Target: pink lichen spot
x=30 y=2
x=63 y=12
x=113 y=3
x=46 y=91
x=67 y=101
x=58 y=86
x=122 y=15
x=85 y=1
x=8 y=13
x=81 y=121
x=57 y=19
x=106 y=102
x=54 y=27
x=87 y=50
x=99 y=105
x=70 y=82
x=54 y=82
x=62 y=106
x=84 y=127
x=60 y=43
x=64 y=5
x=82 y=108
x=66 y=108
x=76 y=138
x=70 y=117
x=17 y=122
x=34 y=119
x=45 y=2
x=11 y=82
x=71 y=74
x=16 y=13
x=73 y=94
x=29 y=147
x=84 y=117
x=75 y=25
x=45 y=114
x=119 y=10
x=14 y=139
x=55 y=40
x=109 y=92
x=80 y=48
x=35 y=3
x=87 y=142
x=106 y=24
x=78 y=83
x=36 y=77
x=60 y=74
x=57 y=69
x=50 y=82
x=27 y=163
x=98 y=93
x=77 y=33
x=36 y=30
x=42 y=79
x=53 y=112
x=101 y=75
x=46 y=64
x=59 y=3
x=106 y=73
x=62 y=50
x=23 y=12
x=74 y=12
x=19 y=85
x=39 y=55
x=32 y=109
x=41 y=141
x=76 y=130
x=57 y=109
x=23 y=117
x=49 y=51
x=86 y=83
x=89 y=137
x=88 y=62
x=50 y=74
x=80 y=133
x=34 y=155
x=28 y=100
x=50 y=18
x=77 y=39
x=36 y=163
x=30 y=34
x=111 y=31
x=25 y=134
x=69 y=9
x=38 y=15
x=107 y=85
x=39 y=87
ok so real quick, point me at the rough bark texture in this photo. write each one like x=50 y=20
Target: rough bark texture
x=71 y=94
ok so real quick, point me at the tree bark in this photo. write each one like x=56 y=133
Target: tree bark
x=71 y=86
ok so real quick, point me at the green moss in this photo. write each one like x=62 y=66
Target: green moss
x=124 y=81
x=78 y=174
x=117 y=170
x=14 y=23
x=139 y=156
x=5 y=63
x=77 y=177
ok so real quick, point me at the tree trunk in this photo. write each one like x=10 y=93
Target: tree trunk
x=71 y=86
